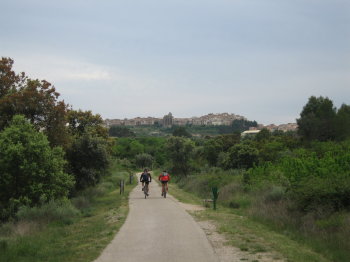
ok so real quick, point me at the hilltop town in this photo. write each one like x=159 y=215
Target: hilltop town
x=219 y=119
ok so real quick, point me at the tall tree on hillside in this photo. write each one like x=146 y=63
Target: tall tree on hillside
x=81 y=122
x=36 y=100
x=343 y=123
x=317 y=120
x=240 y=125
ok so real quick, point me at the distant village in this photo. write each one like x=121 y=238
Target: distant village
x=211 y=119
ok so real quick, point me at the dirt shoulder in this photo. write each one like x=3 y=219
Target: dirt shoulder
x=224 y=250
x=238 y=238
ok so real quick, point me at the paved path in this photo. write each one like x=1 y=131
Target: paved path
x=158 y=230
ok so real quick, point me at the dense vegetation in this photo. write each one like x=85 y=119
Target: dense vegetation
x=294 y=181
x=48 y=151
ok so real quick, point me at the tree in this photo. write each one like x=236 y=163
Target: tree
x=81 y=122
x=143 y=160
x=212 y=149
x=240 y=125
x=229 y=140
x=343 y=123
x=121 y=131
x=30 y=170
x=243 y=155
x=88 y=160
x=263 y=136
x=317 y=120
x=182 y=132
x=180 y=151
x=9 y=80
x=36 y=100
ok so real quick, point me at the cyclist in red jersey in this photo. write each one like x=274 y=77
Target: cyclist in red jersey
x=164 y=178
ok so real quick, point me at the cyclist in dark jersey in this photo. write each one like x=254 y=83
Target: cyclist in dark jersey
x=145 y=178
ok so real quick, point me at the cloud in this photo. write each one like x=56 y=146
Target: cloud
x=56 y=69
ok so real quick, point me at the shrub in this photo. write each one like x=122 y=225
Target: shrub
x=81 y=202
x=89 y=160
x=143 y=160
x=242 y=156
x=54 y=211
x=276 y=193
x=31 y=171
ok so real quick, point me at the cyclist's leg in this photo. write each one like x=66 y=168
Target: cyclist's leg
x=162 y=187
x=166 y=186
x=143 y=185
x=147 y=188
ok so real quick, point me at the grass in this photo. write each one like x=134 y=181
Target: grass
x=249 y=235
x=82 y=239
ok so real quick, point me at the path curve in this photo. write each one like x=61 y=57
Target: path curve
x=158 y=230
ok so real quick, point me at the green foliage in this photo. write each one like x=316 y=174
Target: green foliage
x=53 y=211
x=182 y=132
x=317 y=120
x=82 y=122
x=70 y=235
x=180 y=151
x=263 y=135
x=143 y=160
x=343 y=123
x=127 y=148
x=313 y=178
x=36 y=100
x=242 y=125
x=272 y=151
x=243 y=155
x=88 y=160
x=121 y=131
x=155 y=147
x=30 y=170
x=212 y=149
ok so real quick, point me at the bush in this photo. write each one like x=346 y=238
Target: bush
x=312 y=178
x=81 y=202
x=89 y=160
x=243 y=156
x=54 y=211
x=31 y=171
x=143 y=160
x=276 y=193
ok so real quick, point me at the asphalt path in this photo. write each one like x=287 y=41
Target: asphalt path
x=158 y=229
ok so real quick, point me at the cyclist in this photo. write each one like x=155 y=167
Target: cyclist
x=145 y=178
x=164 y=178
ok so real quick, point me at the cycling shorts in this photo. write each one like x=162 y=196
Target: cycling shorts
x=164 y=182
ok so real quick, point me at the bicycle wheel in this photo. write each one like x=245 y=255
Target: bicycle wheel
x=145 y=191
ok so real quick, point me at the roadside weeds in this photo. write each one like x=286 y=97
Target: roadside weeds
x=237 y=238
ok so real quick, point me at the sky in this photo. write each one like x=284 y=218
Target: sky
x=261 y=59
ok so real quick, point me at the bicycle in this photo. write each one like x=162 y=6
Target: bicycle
x=164 y=190
x=145 y=190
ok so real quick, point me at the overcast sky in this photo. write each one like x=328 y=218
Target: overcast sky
x=261 y=59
